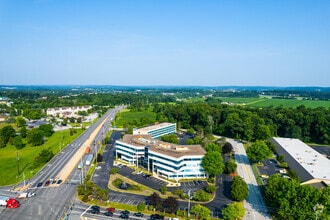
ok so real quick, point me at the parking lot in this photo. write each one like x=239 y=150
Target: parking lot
x=148 y=181
x=156 y=183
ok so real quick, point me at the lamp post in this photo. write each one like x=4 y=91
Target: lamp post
x=188 y=203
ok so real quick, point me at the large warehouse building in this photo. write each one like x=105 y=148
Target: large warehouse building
x=311 y=166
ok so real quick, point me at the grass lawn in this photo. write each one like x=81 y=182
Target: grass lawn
x=127 y=116
x=288 y=103
x=8 y=162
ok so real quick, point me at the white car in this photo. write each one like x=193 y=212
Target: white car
x=26 y=195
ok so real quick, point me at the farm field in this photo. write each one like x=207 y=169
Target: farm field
x=127 y=116
x=288 y=103
x=8 y=162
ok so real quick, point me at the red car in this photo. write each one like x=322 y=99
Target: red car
x=111 y=210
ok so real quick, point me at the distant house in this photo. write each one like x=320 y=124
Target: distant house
x=67 y=112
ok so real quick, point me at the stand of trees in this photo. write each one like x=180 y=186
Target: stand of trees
x=309 y=125
x=290 y=200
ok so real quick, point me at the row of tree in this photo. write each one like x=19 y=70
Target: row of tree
x=310 y=125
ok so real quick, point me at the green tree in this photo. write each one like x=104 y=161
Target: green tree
x=18 y=142
x=46 y=129
x=211 y=188
x=35 y=137
x=213 y=147
x=23 y=132
x=230 y=166
x=20 y=121
x=141 y=206
x=163 y=189
x=239 y=189
x=201 y=212
x=6 y=133
x=233 y=211
x=212 y=163
x=201 y=195
x=171 y=138
x=258 y=151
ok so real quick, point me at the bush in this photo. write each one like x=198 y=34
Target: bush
x=211 y=188
x=211 y=180
x=180 y=193
x=163 y=189
x=150 y=207
x=113 y=170
x=134 y=187
x=117 y=182
x=181 y=213
x=201 y=196
x=141 y=206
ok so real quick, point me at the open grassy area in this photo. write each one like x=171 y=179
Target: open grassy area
x=8 y=161
x=127 y=116
x=266 y=102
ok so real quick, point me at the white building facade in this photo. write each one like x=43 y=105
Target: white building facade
x=157 y=130
x=170 y=161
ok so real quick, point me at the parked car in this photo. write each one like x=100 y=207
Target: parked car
x=110 y=209
x=138 y=214
x=108 y=213
x=125 y=212
x=156 y=217
x=59 y=181
x=39 y=184
x=47 y=182
x=94 y=211
x=96 y=207
x=124 y=216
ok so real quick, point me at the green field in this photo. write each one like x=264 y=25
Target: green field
x=127 y=116
x=8 y=161
x=266 y=102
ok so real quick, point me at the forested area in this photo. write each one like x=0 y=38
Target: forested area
x=290 y=200
x=309 y=125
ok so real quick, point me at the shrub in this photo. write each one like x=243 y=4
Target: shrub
x=134 y=187
x=141 y=206
x=117 y=182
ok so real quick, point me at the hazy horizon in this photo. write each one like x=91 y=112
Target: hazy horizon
x=165 y=43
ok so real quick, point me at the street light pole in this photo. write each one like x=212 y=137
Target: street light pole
x=188 y=203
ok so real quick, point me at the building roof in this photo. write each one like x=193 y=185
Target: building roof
x=311 y=160
x=154 y=127
x=169 y=149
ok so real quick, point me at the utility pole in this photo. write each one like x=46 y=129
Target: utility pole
x=17 y=158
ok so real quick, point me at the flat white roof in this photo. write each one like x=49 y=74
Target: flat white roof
x=312 y=161
x=154 y=127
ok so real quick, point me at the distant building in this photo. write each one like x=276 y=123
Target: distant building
x=67 y=112
x=311 y=166
x=171 y=161
x=157 y=130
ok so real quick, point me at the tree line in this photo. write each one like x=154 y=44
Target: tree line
x=309 y=125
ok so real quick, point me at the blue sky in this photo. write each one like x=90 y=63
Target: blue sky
x=165 y=42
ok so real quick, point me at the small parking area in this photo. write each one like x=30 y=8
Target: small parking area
x=270 y=168
x=146 y=180
x=156 y=183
